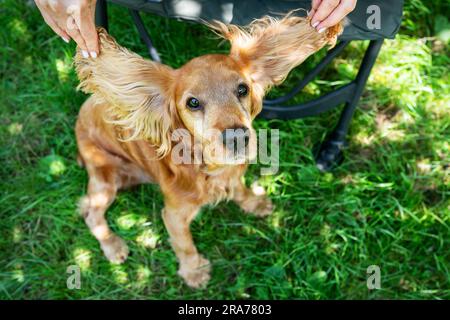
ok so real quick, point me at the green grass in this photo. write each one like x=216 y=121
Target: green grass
x=387 y=205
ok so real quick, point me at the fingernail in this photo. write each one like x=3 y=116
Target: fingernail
x=93 y=54
x=322 y=30
x=65 y=40
x=315 y=24
x=85 y=54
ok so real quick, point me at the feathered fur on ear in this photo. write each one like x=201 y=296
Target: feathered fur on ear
x=269 y=48
x=137 y=91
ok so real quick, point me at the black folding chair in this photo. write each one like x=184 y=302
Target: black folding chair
x=372 y=20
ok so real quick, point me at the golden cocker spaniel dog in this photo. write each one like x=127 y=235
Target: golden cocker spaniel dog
x=125 y=130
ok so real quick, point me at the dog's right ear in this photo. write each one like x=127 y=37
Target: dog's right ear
x=138 y=91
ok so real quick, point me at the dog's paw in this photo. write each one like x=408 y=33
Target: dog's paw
x=260 y=206
x=115 y=249
x=83 y=206
x=196 y=272
x=264 y=207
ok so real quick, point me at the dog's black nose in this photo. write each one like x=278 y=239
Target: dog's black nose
x=236 y=138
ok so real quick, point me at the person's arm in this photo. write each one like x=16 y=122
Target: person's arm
x=327 y=13
x=72 y=19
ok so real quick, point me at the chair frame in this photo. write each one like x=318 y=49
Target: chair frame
x=329 y=153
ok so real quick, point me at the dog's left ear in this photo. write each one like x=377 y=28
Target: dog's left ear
x=269 y=48
x=137 y=91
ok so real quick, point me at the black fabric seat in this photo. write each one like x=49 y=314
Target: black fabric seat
x=243 y=12
x=373 y=20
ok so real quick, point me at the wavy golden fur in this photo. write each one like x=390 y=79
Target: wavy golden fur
x=273 y=47
x=124 y=130
x=134 y=88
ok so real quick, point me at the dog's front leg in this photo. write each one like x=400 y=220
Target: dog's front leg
x=252 y=201
x=194 y=268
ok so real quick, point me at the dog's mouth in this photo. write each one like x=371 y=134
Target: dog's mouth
x=221 y=153
x=213 y=151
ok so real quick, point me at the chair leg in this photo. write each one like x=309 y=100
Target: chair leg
x=330 y=152
x=145 y=36
x=101 y=14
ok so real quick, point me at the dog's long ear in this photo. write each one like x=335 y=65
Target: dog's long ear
x=269 y=48
x=138 y=91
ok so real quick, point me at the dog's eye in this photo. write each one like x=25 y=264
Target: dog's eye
x=193 y=104
x=242 y=90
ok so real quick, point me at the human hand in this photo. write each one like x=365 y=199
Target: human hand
x=72 y=19
x=327 y=13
